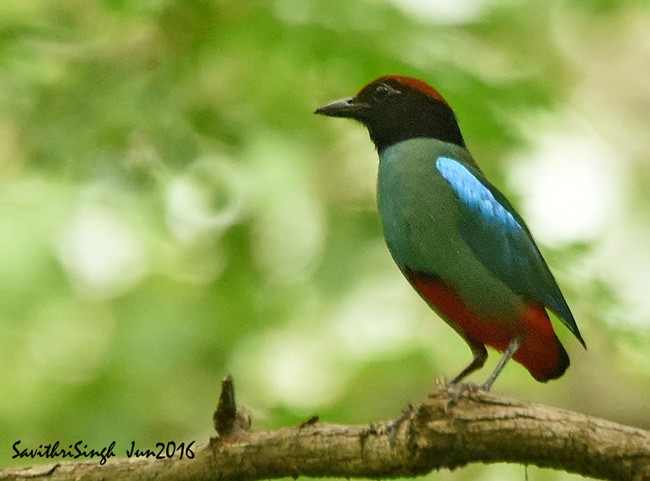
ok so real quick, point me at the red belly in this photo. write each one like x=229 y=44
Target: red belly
x=541 y=351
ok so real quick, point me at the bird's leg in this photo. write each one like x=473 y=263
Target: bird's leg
x=515 y=343
x=480 y=356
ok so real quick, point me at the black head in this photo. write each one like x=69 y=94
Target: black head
x=396 y=108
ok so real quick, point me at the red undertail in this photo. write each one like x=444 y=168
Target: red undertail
x=541 y=351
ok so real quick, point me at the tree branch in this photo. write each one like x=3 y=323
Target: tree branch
x=446 y=431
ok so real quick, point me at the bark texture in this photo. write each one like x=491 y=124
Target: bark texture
x=448 y=430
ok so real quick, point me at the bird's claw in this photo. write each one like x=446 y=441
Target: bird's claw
x=456 y=391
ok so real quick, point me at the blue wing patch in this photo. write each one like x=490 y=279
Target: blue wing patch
x=475 y=195
x=500 y=239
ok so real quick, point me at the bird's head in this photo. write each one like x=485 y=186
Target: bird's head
x=396 y=108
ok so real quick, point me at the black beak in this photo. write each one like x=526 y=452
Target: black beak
x=350 y=108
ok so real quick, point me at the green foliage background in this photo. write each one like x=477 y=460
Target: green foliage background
x=172 y=211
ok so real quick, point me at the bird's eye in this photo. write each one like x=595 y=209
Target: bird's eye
x=382 y=91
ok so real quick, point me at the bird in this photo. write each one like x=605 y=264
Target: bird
x=454 y=236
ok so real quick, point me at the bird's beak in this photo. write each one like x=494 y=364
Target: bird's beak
x=350 y=108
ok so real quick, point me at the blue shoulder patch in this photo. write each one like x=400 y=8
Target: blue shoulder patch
x=501 y=241
x=474 y=194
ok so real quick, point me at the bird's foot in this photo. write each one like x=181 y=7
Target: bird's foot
x=456 y=391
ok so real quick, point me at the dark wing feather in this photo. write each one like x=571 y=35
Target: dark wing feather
x=501 y=240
